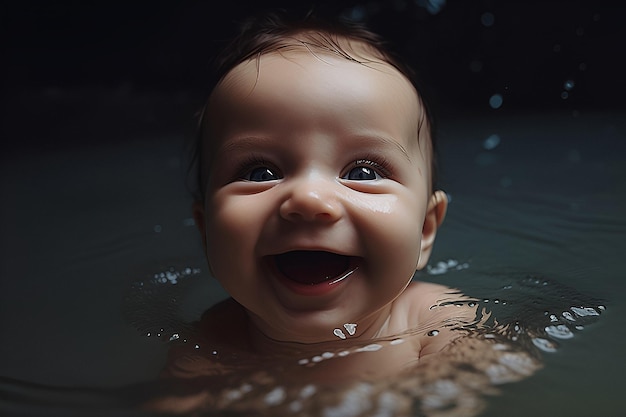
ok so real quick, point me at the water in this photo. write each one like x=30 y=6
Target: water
x=82 y=226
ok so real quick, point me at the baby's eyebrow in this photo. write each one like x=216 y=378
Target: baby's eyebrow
x=375 y=140
x=371 y=141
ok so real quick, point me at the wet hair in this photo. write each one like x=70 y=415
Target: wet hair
x=276 y=31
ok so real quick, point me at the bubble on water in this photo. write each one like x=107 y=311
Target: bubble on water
x=339 y=333
x=295 y=406
x=553 y=318
x=175 y=336
x=350 y=328
x=495 y=101
x=275 y=396
x=487 y=19
x=560 y=331
x=491 y=142
x=568 y=316
x=585 y=311
x=370 y=348
x=544 y=344
x=307 y=391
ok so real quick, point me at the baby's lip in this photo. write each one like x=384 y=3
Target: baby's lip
x=312 y=267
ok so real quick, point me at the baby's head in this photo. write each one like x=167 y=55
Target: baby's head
x=316 y=175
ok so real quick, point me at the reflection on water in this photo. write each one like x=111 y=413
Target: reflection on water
x=519 y=318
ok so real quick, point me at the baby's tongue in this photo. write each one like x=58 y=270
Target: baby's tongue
x=311 y=267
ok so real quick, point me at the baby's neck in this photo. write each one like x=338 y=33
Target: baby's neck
x=373 y=327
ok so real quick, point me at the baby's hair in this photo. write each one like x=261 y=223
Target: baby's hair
x=275 y=32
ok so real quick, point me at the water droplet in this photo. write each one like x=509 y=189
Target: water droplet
x=327 y=355
x=544 y=344
x=303 y=361
x=350 y=328
x=370 y=348
x=495 y=101
x=343 y=353
x=276 y=396
x=317 y=359
x=433 y=333
x=568 y=85
x=339 y=333
x=214 y=352
x=586 y=311
x=307 y=391
x=196 y=346
x=173 y=337
x=560 y=332
x=568 y=316
x=487 y=19
x=491 y=142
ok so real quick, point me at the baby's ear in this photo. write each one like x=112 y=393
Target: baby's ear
x=435 y=213
x=197 y=208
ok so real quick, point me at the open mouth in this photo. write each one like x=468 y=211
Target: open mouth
x=312 y=267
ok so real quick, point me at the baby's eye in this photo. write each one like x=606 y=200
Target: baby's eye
x=362 y=173
x=260 y=174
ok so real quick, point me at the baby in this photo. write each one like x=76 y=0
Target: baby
x=317 y=201
x=316 y=205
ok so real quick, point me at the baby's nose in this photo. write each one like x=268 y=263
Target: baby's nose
x=312 y=199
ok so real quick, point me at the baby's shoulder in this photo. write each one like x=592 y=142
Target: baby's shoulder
x=424 y=297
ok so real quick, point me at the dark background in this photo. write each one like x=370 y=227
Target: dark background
x=78 y=72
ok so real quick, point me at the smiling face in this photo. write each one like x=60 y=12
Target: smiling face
x=317 y=208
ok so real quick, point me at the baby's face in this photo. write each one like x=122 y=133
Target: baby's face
x=318 y=190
